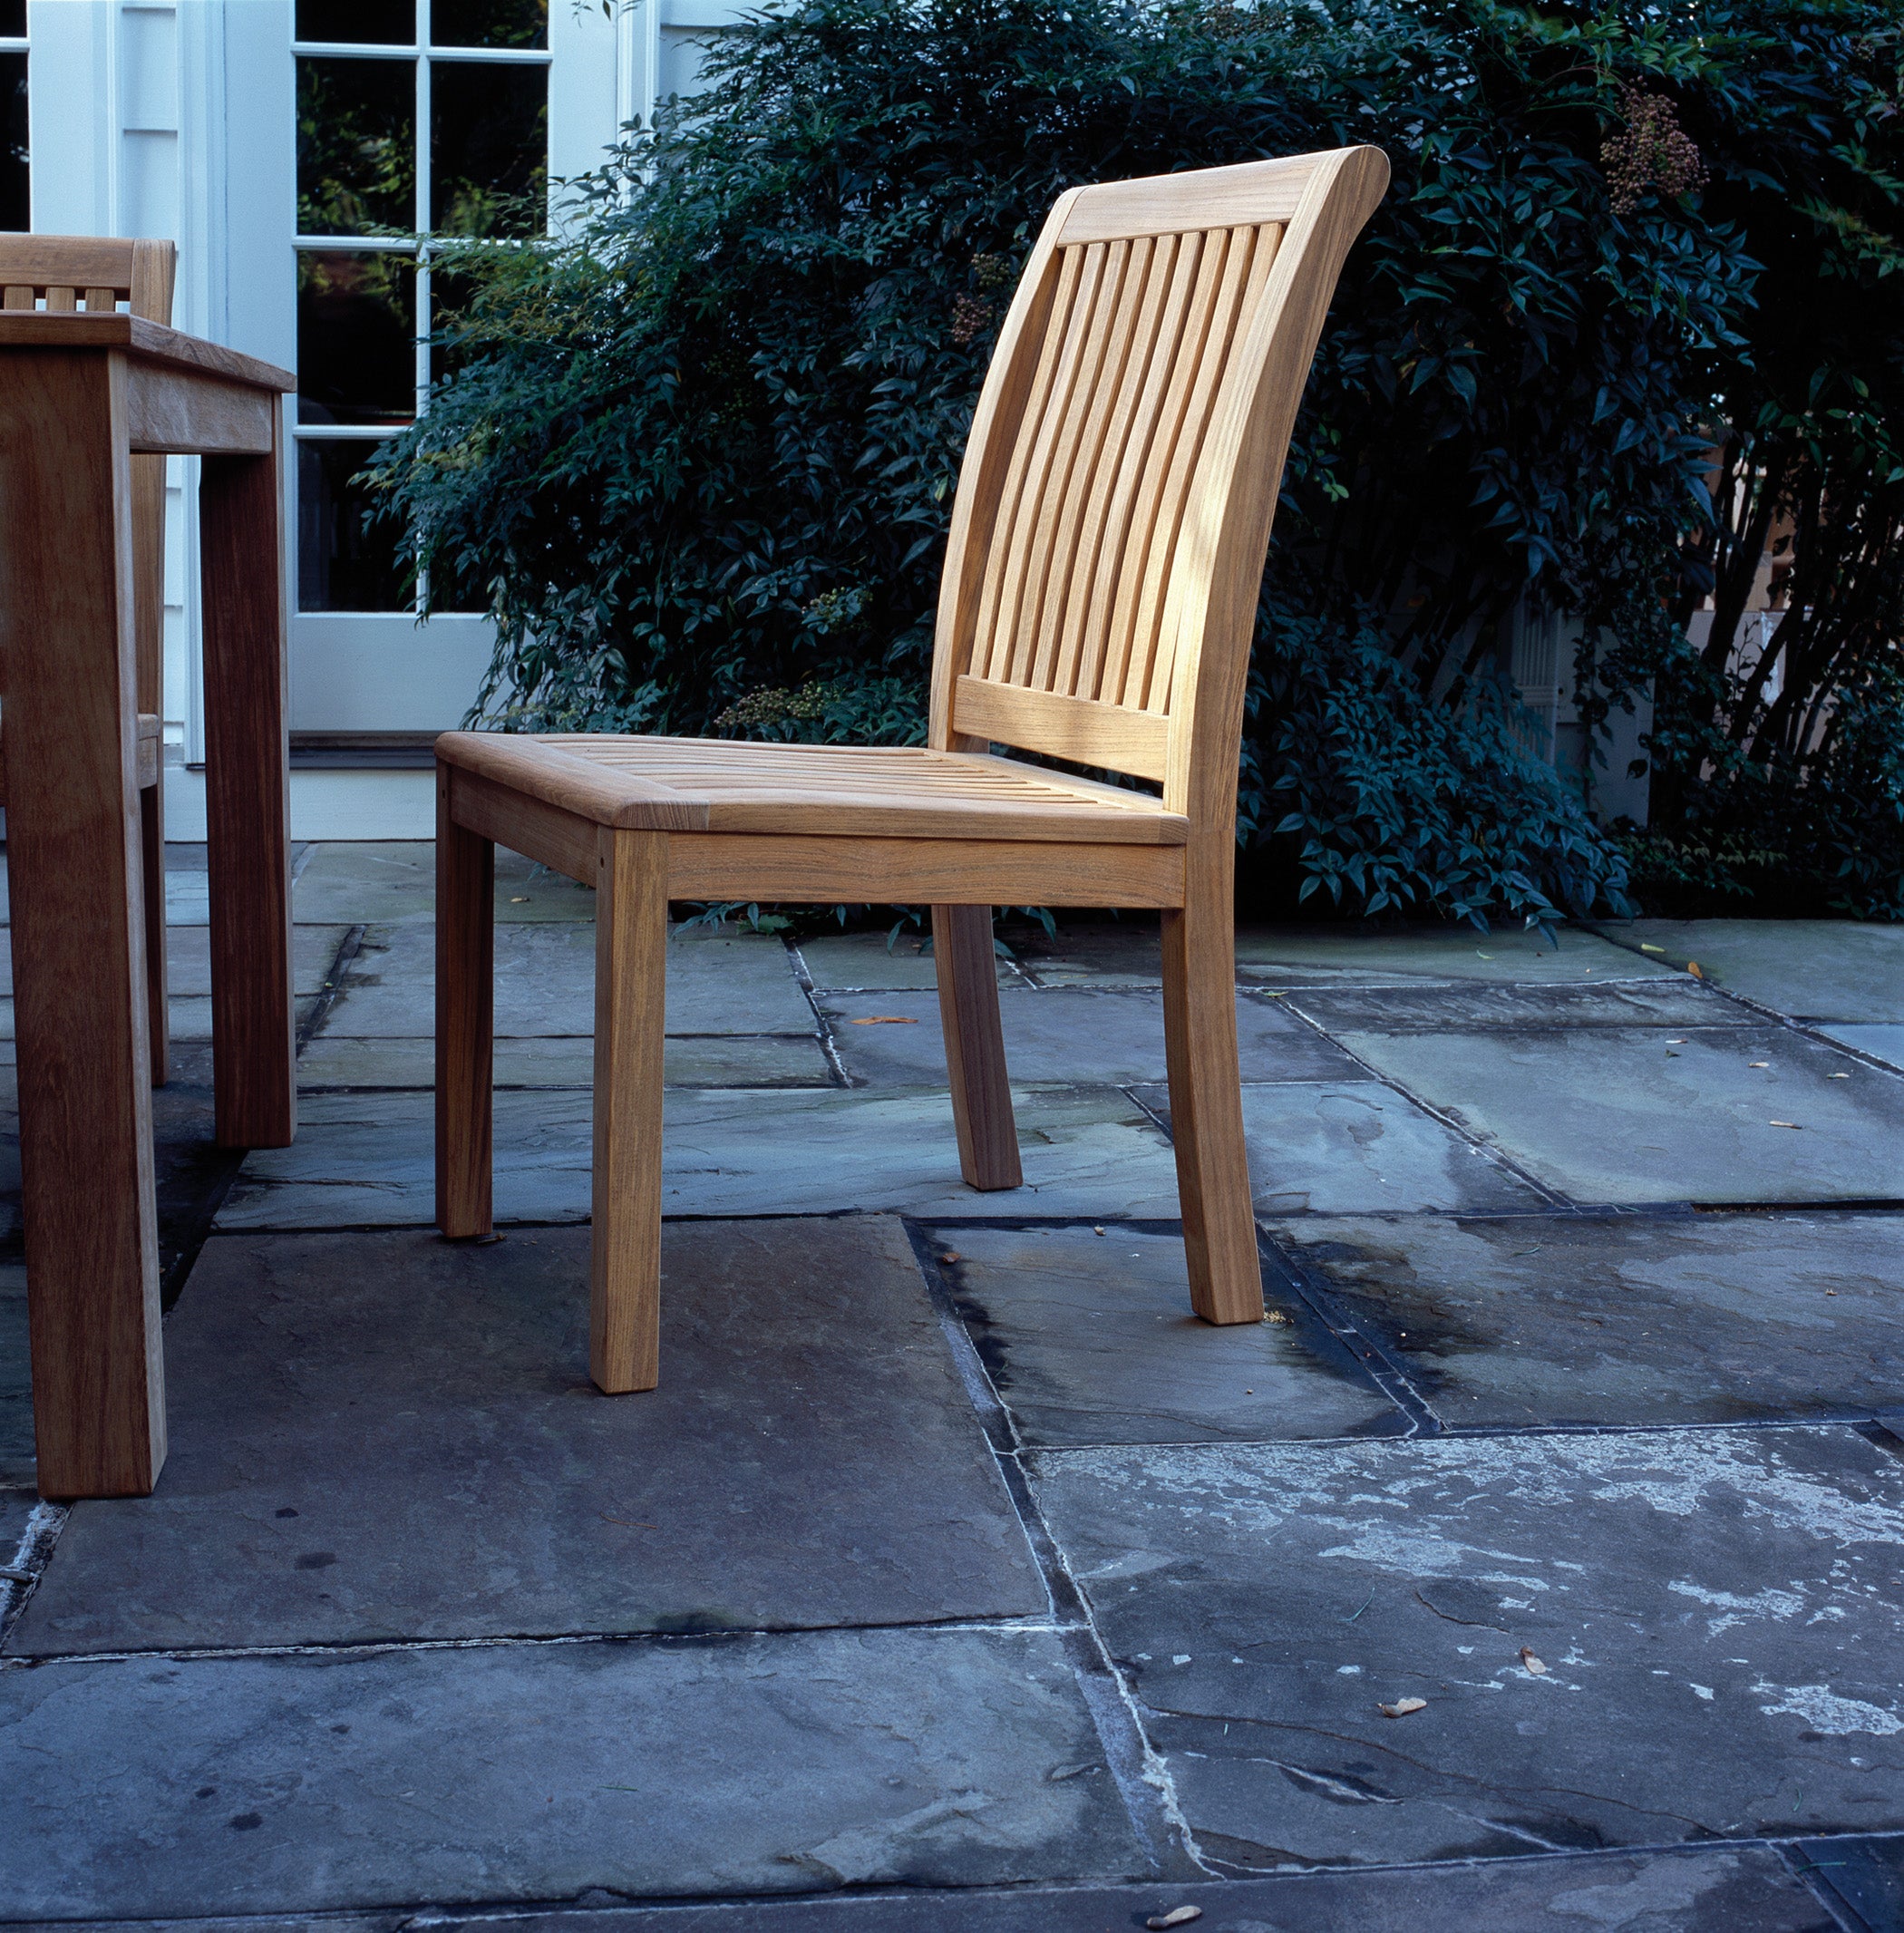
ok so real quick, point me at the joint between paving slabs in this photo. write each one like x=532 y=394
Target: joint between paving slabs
x=1795 y=1857
x=1143 y=1776
x=822 y=1026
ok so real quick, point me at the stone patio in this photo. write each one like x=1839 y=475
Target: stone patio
x=956 y=1577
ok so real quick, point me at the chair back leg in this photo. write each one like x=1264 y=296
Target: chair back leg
x=630 y=1004
x=465 y=1026
x=974 y=1047
x=1199 y=1033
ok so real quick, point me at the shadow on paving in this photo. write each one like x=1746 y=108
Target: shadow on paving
x=384 y=1437
x=1718 y=1890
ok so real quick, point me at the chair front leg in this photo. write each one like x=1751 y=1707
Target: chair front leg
x=1199 y=1032
x=630 y=996
x=465 y=1010
x=974 y=1047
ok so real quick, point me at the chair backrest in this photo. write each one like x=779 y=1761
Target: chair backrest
x=1113 y=511
x=87 y=272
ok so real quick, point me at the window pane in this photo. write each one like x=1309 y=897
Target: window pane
x=488 y=23
x=344 y=562
x=13 y=20
x=378 y=23
x=489 y=153
x=356 y=337
x=356 y=147
x=14 y=207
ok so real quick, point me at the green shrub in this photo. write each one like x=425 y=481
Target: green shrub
x=704 y=451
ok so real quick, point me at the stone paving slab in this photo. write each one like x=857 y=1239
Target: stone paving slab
x=1067 y=1034
x=1720 y=1889
x=1816 y=969
x=387 y=1436
x=384 y=881
x=188 y=959
x=545 y=984
x=768 y=1764
x=191 y=1018
x=1674 y=1004
x=1351 y=955
x=368 y=1159
x=1881 y=1042
x=1720 y=1616
x=1616 y=1114
x=1867 y=1874
x=17 y=1463
x=1089 y=1338
x=1598 y=1320
x=846 y=962
x=696 y=1059
x=1351 y=1147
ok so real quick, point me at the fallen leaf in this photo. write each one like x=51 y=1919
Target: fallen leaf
x=1781 y=1124
x=951 y=1255
x=1402 y=1707
x=1097 y=1231
x=1694 y=967
x=1838 y=1077
x=1677 y=1042
x=1481 y=955
x=1758 y=1063
x=1533 y=1664
x=519 y=898
x=1644 y=946
x=887 y=1020
x=1275 y=1315
x=1179 y=1916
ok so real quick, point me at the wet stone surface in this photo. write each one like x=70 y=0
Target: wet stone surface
x=1650 y=1114
x=1089 y=1338
x=1814 y=969
x=1720 y=1618
x=379 y=1437
x=1518 y=1321
x=540 y=1772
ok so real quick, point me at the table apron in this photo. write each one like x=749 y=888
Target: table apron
x=170 y=411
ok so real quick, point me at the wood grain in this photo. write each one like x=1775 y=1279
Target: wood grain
x=68 y=660
x=563 y=841
x=630 y=994
x=965 y=962
x=187 y=414
x=246 y=801
x=1112 y=737
x=148 y=342
x=1246 y=195
x=465 y=1023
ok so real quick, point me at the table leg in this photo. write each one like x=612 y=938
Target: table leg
x=247 y=803
x=79 y=926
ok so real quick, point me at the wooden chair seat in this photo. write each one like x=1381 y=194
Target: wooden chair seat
x=1097 y=607
x=874 y=792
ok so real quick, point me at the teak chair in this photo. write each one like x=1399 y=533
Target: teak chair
x=82 y=272
x=1098 y=599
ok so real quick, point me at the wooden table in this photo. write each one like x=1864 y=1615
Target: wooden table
x=79 y=395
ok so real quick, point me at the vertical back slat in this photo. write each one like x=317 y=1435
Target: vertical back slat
x=65 y=301
x=16 y=297
x=99 y=300
x=1022 y=564
x=1153 y=692
x=1125 y=642
x=1046 y=583
x=993 y=649
x=1070 y=531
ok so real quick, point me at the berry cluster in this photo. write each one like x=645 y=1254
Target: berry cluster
x=1652 y=151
